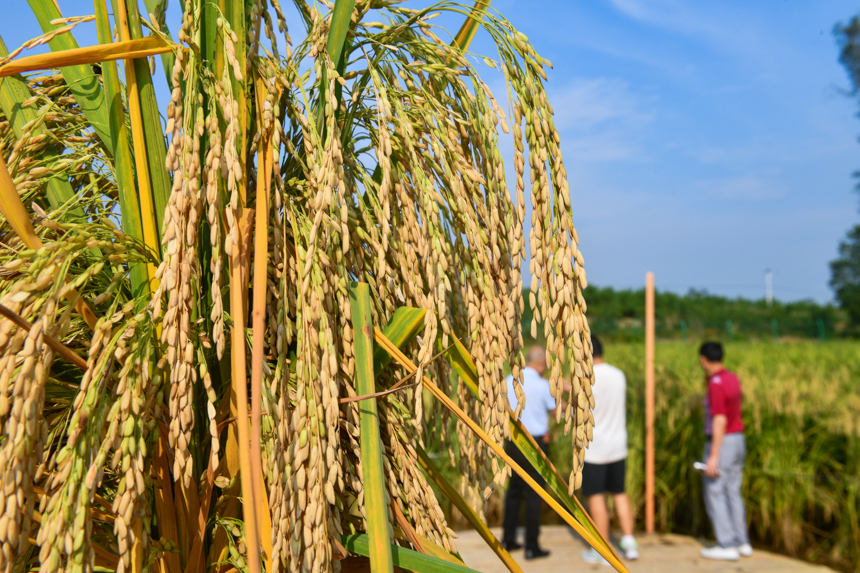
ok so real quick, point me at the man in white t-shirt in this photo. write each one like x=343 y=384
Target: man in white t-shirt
x=539 y=403
x=606 y=456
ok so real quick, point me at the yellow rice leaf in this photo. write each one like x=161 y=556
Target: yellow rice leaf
x=127 y=50
x=465 y=509
x=13 y=209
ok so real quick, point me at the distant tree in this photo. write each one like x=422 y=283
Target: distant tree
x=848 y=40
x=845 y=275
x=618 y=315
x=845 y=270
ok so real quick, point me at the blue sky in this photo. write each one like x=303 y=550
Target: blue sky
x=705 y=141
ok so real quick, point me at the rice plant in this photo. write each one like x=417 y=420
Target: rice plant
x=190 y=375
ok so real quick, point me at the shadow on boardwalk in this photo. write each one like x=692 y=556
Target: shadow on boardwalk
x=658 y=552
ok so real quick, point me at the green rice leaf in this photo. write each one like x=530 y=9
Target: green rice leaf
x=465 y=509
x=13 y=93
x=359 y=543
x=340 y=21
x=404 y=325
x=373 y=474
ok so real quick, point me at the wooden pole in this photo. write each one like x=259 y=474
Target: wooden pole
x=649 y=403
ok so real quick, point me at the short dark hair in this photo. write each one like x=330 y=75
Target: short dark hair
x=596 y=347
x=712 y=351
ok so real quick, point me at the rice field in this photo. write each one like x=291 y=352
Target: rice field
x=802 y=476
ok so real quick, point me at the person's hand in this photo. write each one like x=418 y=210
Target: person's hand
x=546 y=438
x=713 y=466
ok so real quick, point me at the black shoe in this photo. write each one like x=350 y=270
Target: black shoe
x=536 y=553
x=511 y=545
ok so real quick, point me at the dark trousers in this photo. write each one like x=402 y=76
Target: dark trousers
x=518 y=491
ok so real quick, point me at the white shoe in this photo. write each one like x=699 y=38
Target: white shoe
x=745 y=550
x=592 y=556
x=721 y=553
x=629 y=547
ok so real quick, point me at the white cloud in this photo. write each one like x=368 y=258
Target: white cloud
x=716 y=24
x=587 y=103
x=773 y=151
x=633 y=8
x=762 y=186
x=671 y=15
x=600 y=119
x=599 y=147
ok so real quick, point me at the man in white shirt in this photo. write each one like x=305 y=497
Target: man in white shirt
x=606 y=456
x=538 y=405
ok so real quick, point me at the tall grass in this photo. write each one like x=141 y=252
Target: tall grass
x=802 y=475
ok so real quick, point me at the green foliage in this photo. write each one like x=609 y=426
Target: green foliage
x=845 y=275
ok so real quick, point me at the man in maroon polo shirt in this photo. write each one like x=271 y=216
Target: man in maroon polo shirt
x=725 y=451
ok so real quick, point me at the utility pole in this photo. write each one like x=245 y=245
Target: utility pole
x=768 y=287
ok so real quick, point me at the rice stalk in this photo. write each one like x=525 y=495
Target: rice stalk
x=258 y=316
x=147 y=205
x=125 y=179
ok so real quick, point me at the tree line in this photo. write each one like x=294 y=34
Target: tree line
x=619 y=314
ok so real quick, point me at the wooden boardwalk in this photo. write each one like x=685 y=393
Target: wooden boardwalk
x=658 y=553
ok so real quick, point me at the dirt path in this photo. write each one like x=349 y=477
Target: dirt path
x=659 y=553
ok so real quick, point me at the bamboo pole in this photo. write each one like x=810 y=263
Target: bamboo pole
x=649 y=402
